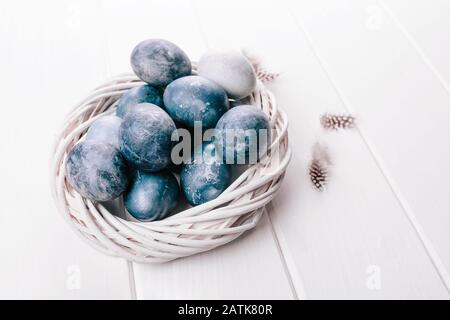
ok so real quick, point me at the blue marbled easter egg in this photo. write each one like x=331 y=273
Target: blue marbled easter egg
x=248 y=130
x=105 y=129
x=97 y=170
x=141 y=94
x=158 y=62
x=195 y=98
x=206 y=177
x=152 y=196
x=145 y=137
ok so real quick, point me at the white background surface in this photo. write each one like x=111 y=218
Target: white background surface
x=381 y=230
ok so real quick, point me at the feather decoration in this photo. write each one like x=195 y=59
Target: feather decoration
x=262 y=73
x=319 y=167
x=337 y=121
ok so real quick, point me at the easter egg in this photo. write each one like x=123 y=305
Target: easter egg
x=105 y=129
x=243 y=133
x=141 y=94
x=145 y=137
x=152 y=196
x=158 y=62
x=206 y=177
x=230 y=69
x=195 y=98
x=97 y=170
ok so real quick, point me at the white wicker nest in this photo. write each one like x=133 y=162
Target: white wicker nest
x=194 y=230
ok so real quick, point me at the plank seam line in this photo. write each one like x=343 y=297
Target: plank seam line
x=428 y=246
x=132 y=280
x=272 y=229
x=106 y=71
x=199 y=24
x=416 y=46
x=298 y=291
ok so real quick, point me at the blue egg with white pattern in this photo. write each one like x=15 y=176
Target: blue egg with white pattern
x=243 y=134
x=145 y=137
x=206 y=177
x=152 y=196
x=141 y=94
x=97 y=170
x=194 y=98
x=158 y=62
x=105 y=129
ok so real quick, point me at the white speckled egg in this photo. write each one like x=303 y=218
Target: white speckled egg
x=230 y=69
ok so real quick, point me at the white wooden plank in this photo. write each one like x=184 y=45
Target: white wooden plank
x=335 y=243
x=50 y=58
x=401 y=105
x=426 y=25
x=234 y=271
x=248 y=268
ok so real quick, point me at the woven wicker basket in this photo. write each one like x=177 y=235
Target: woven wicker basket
x=191 y=231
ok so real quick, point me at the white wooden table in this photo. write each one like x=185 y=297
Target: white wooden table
x=382 y=228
